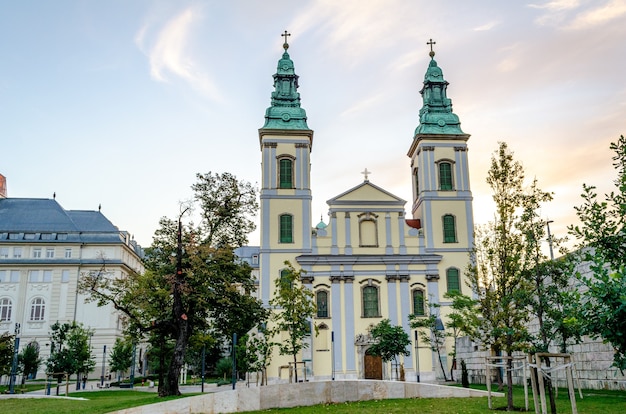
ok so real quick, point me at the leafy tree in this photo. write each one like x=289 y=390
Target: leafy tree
x=29 y=361
x=193 y=282
x=295 y=307
x=390 y=341
x=498 y=263
x=70 y=352
x=462 y=321
x=121 y=356
x=435 y=334
x=6 y=353
x=260 y=348
x=602 y=236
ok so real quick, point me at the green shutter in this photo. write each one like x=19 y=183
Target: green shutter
x=286 y=228
x=285 y=177
x=449 y=230
x=452 y=276
x=418 y=302
x=370 y=302
x=445 y=176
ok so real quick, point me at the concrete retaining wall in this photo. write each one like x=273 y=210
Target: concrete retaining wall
x=302 y=394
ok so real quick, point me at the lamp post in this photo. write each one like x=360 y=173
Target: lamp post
x=203 y=366
x=104 y=355
x=550 y=239
x=15 y=354
x=417 y=355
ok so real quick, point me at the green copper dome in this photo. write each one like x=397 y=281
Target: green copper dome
x=436 y=115
x=285 y=112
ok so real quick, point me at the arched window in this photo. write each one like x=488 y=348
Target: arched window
x=452 y=280
x=445 y=176
x=370 y=302
x=286 y=228
x=321 y=300
x=418 y=302
x=449 y=229
x=285 y=173
x=37 y=309
x=5 y=309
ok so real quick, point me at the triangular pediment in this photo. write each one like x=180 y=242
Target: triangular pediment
x=367 y=193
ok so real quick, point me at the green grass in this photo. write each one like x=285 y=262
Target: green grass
x=26 y=388
x=97 y=402
x=604 y=402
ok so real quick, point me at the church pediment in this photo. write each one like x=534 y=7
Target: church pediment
x=366 y=193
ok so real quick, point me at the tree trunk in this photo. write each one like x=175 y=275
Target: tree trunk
x=509 y=383
x=295 y=368
x=443 y=370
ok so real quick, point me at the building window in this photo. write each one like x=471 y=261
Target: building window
x=285 y=173
x=321 y=300
x=47 y=276
x=285 y=279
x=46 y=236
x=37 y=309
x=49 y=253
x=65 y=276
x=68 y=253
x=452 y=280
x=5 y=309
x=416 y=180
x=449 y=229
x=33 y=276
x=62 y=236
x=286 y=228
x=15 y=276
x=418 y=302
x=17 y=252
x=14 y=236
x=255 y=259
x=3 y=275
x=368 y=230
x=445 y=176
x=29 y=236
x=37 y=253
x=370 y=302
x=4 y=252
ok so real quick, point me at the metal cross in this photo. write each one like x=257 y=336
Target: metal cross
x=285 y=36
x=366 y=173
x=431 y=43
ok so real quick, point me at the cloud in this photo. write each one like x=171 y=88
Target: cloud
x=486 y=27
x=170 y=55
x=557 y=5
x=600 y=15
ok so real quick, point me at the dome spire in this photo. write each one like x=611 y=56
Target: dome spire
x=431 y=43
x=285 y=111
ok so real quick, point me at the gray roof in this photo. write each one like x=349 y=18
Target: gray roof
x=39 y=215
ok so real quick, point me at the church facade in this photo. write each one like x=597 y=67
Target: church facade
x=371 y=261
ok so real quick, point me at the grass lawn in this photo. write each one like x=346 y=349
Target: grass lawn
x=97 y=402
x=594 y=402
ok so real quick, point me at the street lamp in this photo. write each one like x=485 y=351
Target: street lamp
x=417 y=355
x=550 y=239
x=15 y=353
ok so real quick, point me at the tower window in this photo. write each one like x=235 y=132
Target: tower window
x=285 y=173
x=321 y=300
x=370 y=302
x=286 y=228
x=452 y=280
x=449 y=229
x=285 y=279
x=418 y=302
x=445 y=176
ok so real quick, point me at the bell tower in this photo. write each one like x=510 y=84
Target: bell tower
x=442 y=199
x=286 y=143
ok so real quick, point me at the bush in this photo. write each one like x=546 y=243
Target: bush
x=224 y=368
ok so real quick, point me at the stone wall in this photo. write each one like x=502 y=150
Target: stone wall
x=592 y=360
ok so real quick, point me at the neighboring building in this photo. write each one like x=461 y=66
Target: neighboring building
x=369 y=262
x=43 y=251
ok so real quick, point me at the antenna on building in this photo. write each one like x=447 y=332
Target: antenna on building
x=54 y=195
x=99 y=207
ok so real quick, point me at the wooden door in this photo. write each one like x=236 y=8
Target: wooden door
x=373 y=367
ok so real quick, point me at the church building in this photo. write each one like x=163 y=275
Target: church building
x=371 y=261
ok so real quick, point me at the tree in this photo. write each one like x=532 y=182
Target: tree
x=193 y=282
x=462 y=321
x=121 y=356
x=390 y=341
x=69 y=351
x=498 y=262
x=28 y=360
x=294 y=307
x=6 y=353
x=260 y=348
x=435 y=334
x=602 y=243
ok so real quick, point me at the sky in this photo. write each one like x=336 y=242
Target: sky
x=121 y=103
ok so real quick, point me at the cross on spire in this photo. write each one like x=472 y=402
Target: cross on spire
x=285 y=45
x=431 y=43
x=366 y=173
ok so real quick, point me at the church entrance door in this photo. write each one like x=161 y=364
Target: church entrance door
x=373 y=367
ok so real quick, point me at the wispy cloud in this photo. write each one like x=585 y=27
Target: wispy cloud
x=170 y=54
x=486 y=27
x=600 y=15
